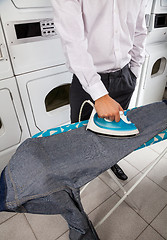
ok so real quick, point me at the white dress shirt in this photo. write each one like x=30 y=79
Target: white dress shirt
x=101 y=36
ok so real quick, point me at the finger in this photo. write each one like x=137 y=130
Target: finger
x=117 y=117
x=120 y=108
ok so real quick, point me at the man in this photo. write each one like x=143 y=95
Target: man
x=103 y=41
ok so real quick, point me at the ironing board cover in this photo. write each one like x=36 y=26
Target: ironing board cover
x=53 y=131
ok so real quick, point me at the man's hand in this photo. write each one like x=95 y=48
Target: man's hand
x=106 y=107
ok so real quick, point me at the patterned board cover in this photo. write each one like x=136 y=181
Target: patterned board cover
x=53 y=131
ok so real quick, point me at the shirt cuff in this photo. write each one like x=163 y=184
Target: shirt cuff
x=97 y=90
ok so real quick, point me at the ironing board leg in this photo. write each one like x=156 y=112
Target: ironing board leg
x=133 y=187
x=131 y=202
x=116 y=180
x=113 y=177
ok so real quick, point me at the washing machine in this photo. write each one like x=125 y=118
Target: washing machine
x=38 y=62
x=45 y=97
x=154 y=75
x=30 y=34
x=13 y=126
x=157 y=29
x=148 y=11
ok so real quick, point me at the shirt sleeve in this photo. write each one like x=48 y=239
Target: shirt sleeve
x=138 y=50
x=70 y=27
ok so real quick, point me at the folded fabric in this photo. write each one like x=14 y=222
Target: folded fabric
x=45 y=174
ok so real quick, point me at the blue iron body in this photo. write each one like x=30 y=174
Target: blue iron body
x=123 y=128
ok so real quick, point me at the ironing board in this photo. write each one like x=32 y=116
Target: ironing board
x=158 y=138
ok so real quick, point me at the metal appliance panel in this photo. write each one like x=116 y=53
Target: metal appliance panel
x=10 y=132
x=164 y=3
x=159 y=6
x=13 y=125
x=31 y=37
x=5 y=64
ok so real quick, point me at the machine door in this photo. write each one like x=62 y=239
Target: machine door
x=5 y=66
x=10 y=132
x=22 y=4
x=49 y=97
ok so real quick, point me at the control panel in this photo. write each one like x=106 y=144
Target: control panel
x=48 y=28
x=31 y=30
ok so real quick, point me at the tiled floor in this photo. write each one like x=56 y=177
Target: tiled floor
x=149 y=222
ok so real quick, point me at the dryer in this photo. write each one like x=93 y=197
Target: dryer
x=153 y=78
x=45 y=96
x=38 y=62
x=157 y=29
x=148 y=10
x=154 y=75
x=31 y=35
x=13 y=126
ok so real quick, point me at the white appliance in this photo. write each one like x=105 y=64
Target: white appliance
x=38 y=62
x=154 y=75
x=5 y=65
x=45 y=96
x=31 y=35
x=157 y=29
x=148 y=10
x=13 y=126
x=159 y=6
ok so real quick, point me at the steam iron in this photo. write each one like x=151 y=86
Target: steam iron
x=123 y=128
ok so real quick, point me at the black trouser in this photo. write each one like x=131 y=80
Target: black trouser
x=120 y=85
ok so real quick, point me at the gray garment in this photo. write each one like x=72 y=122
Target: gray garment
x=52 y=169
x=67 y=203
